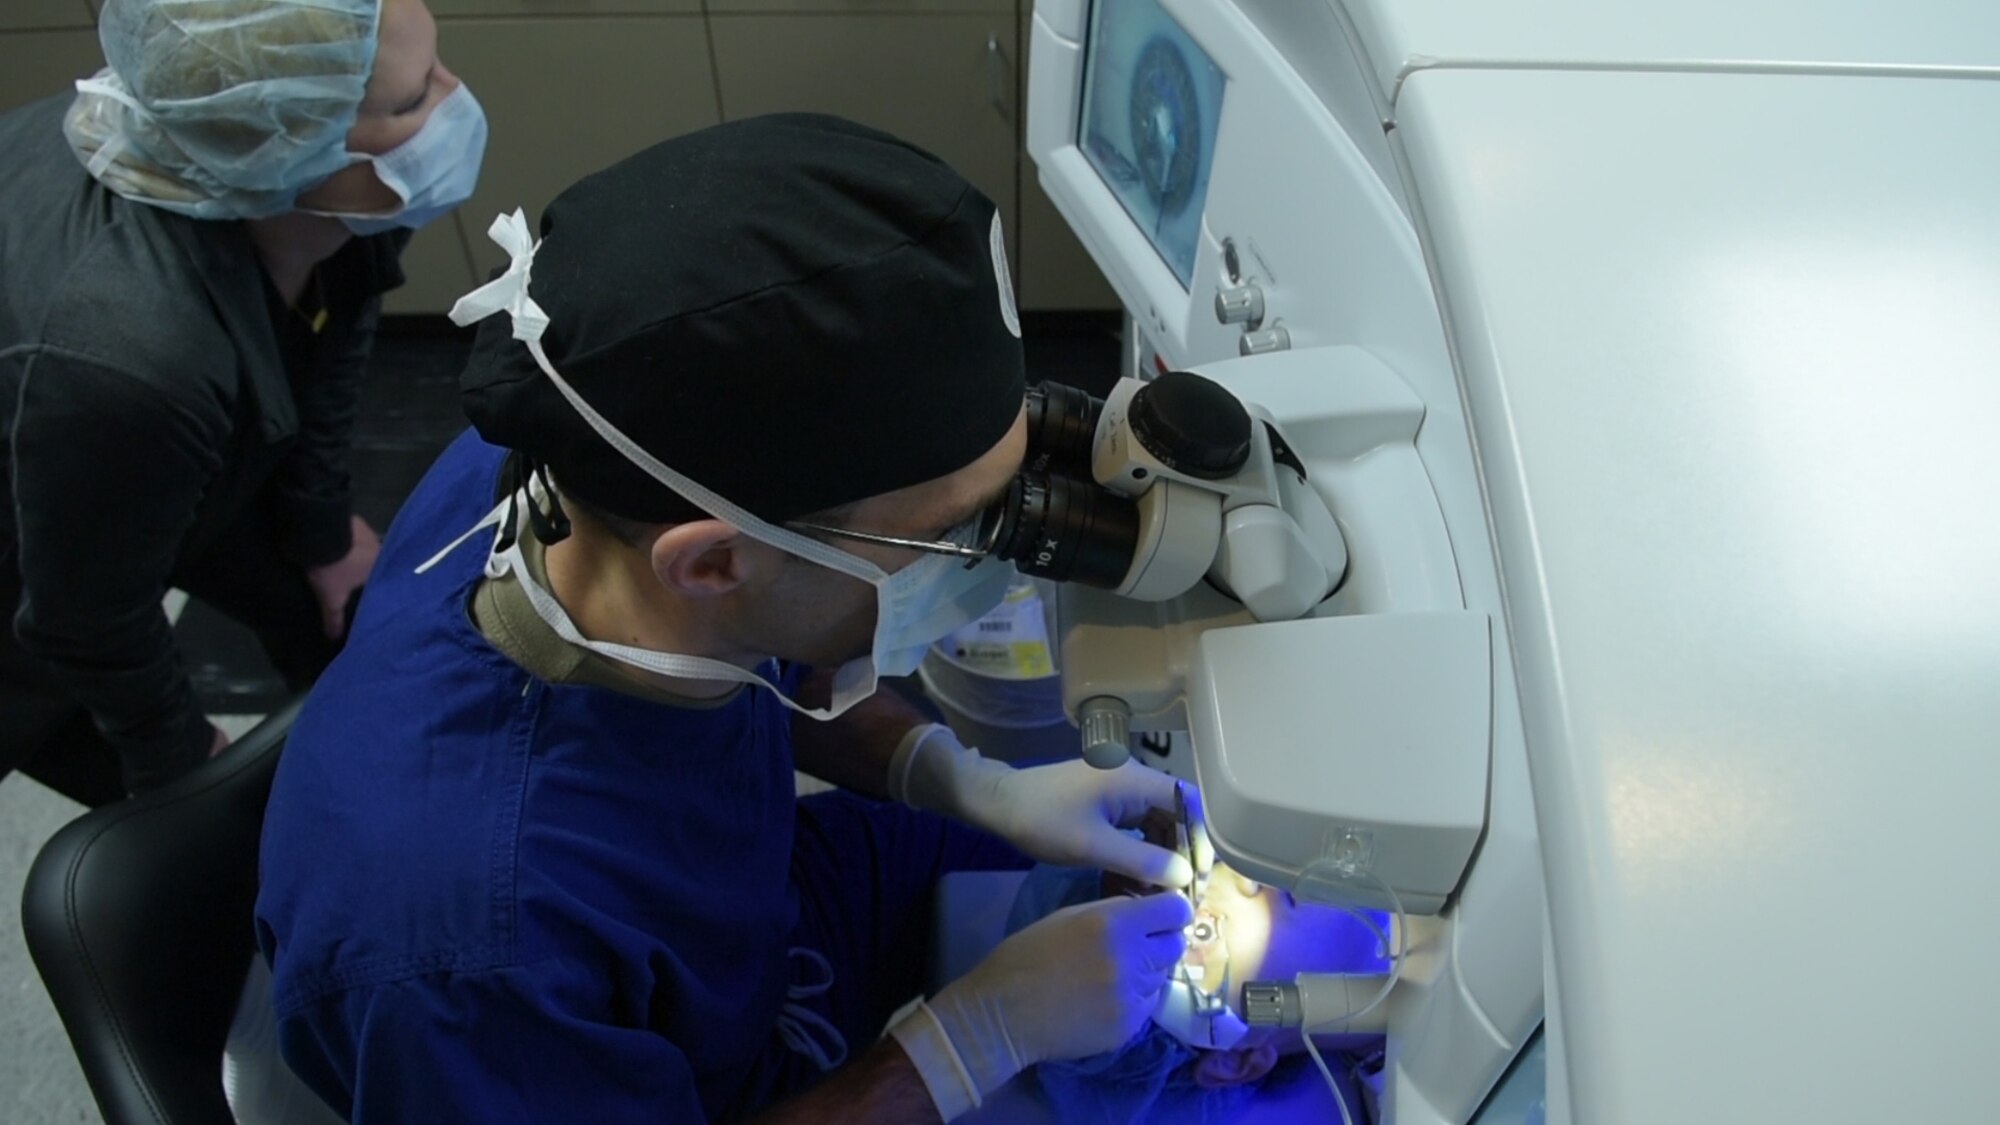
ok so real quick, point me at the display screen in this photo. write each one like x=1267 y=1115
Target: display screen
x=1151 y=102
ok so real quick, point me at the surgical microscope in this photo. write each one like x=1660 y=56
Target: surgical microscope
x=1203 y=562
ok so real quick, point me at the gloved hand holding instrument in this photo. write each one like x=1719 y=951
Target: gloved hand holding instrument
x=1069 y=813
x=1082 y=981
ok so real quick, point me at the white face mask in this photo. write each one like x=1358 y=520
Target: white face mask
x=915 y=607
x=433 y=171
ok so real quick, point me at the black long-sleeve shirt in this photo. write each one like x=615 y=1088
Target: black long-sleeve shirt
x=145 y=403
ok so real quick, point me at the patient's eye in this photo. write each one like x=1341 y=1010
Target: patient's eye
x=1207 y=959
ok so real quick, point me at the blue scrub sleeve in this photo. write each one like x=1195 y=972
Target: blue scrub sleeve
x=501 y=1045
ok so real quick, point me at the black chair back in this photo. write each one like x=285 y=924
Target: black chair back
x=138 y=915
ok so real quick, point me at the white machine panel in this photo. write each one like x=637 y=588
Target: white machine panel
x=1729 y=346
x=1358 y=279
x=1719 y=284
x=1321 y=46
x=1344 y=723
x=1405 y=36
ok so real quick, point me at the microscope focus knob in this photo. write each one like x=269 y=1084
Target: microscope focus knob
x=1270 y=1004
x=1241 y=305
x=1106 y=723
x=1264 y=341
x=1193 y=425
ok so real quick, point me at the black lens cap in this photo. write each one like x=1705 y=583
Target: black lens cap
x=1192 y=424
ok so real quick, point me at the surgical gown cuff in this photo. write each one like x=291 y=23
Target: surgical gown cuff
x=938 y=1063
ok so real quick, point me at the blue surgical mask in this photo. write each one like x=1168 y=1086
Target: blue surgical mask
x=927 y=601
x=432 y=172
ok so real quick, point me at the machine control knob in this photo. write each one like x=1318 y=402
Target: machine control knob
x=1192 y=424
x=1241 y=305
x=1264 y=342
x=1270 y=1004
x=1106 y=722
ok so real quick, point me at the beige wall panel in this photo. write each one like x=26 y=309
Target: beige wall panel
x=446 y=9
x=437 y=270
x=1056 y=271
x=850 y=7
x=18 y=14
x=928 y=79
x=568 y=98
x=35 y=64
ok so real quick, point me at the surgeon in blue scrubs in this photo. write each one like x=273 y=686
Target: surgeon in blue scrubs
x=533 y=853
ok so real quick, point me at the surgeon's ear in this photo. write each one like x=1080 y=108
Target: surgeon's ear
x=1238 y=1066
x=703 y=558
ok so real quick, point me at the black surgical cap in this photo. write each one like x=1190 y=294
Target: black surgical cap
x=795 y=311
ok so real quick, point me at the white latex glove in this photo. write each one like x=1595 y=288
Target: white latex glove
x=1079 y=982
x=1069 y=813
x=1201 y=850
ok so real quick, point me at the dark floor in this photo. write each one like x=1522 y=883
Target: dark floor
x=409 y=413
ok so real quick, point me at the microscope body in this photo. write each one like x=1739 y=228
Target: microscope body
x=1298 y=624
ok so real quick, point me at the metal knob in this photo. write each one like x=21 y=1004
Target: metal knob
x=1106 y=722
x=1264 y=342
x=1270 y=1004
x=1242 y=305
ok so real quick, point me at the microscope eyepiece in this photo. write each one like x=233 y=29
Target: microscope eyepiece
x=1062 y=427
x=1067 y=530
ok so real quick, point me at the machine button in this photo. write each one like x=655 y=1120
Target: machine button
x=1242 y=305
x=1264 y=342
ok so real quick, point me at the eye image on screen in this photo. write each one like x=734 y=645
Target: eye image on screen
x=1151 y=102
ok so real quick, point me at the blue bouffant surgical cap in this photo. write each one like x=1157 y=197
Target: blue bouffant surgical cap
x=223 y=109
